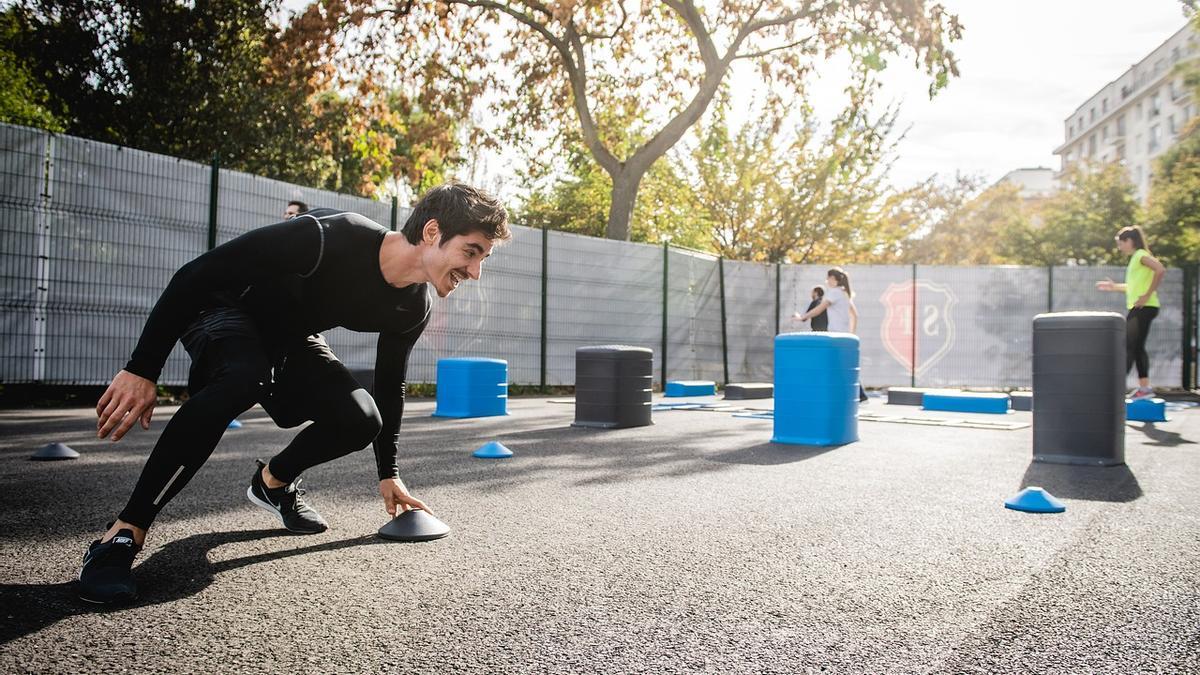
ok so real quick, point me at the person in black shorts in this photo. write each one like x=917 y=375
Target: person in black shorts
x=250 y=313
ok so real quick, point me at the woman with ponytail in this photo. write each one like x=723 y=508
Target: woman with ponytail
x=1142 y=277
x=838 y=305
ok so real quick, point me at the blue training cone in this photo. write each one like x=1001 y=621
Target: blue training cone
x=1035 y=500
x=492 y=450
x=235 y=425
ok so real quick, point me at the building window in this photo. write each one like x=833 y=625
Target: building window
x=1092 y=115
x=1092 y=145
x=1137 y=143
x=1155 y=138
x=1174 y=54
x=1155 y=104
x=1171 y=125
x=1121 y=126
x=1138 y=110
x=1104 y=134
x=1103 y=106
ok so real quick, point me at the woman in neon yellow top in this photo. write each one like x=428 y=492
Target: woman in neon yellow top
x=1142 y=276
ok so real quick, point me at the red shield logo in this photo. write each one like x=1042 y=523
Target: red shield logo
x=918 y=328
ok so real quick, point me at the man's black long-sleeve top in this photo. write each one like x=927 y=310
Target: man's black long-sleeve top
x=298 y=278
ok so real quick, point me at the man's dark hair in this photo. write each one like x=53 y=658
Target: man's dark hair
x=299 y=204
x=458 y=209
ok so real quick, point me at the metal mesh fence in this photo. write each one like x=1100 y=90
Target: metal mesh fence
x=91 y=233
x=600 y=292
x=23 y=238
x=694 y=350
x=750 y=321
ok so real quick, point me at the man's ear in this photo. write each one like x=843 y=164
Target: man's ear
x=430 y=231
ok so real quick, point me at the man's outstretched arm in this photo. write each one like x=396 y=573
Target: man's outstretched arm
x=391 y=366
x=292 y=247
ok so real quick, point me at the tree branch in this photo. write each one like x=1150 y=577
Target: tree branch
x=576 y=75
x=765 y=52
x=613 y=34
x=695 y=23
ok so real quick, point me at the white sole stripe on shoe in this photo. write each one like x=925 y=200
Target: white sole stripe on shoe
x=267 y=506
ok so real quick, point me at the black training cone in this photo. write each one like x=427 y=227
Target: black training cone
x=414 y=525
x=54 y=451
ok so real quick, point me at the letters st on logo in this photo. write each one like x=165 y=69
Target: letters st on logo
x=918 y=328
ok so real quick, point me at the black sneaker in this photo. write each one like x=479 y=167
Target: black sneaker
x=286 y=502
x=105 y=578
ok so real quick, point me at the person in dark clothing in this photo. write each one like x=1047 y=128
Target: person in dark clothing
x=820 y=321
x=294 y=208
x=250 y=313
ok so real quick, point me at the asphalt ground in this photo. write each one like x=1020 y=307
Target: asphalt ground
x=693 y=545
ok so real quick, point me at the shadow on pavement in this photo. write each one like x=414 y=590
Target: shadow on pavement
x=1091 y=483
x=771 y=454
x=178 y=570
x=1160 y=437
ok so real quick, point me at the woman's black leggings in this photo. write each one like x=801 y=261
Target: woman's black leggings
x=1137 y=327
x=231 y=371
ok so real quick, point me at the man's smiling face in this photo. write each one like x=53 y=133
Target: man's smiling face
x=449 y=263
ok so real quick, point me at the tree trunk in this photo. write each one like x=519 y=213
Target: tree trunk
x=624 y=197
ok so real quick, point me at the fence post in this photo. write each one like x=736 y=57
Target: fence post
x=395 y=212
x=724 y=338
x=213 y=190
x=41 y=286
x=666 y=265
x=545 y=298
x=1190 y=283
x=778 y=272
x=912 y=370
x=1050 y=288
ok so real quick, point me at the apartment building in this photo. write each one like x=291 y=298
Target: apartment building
x=1032 y=183
x=1137 y=116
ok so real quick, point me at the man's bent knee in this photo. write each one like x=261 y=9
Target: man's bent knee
x=361 y=421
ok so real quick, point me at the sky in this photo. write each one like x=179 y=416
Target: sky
x=1025 y=66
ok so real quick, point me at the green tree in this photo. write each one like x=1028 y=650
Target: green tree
x=665 y=60
x=802 y=195
x=220 y=77
x=23 y=99
x=1173 y=209
x=577 y=197
x=988 y=228
x=1081 y=219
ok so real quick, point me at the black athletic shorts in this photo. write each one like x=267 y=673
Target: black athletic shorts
x=303 y=377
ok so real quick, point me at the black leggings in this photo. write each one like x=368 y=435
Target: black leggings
x=231 y=371
x=1137 y=327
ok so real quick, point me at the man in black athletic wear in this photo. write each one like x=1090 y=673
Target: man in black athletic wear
x=249 y=313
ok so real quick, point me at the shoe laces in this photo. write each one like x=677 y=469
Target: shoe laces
x=297 y=493
x=109 y=554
